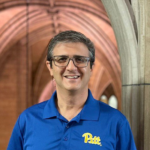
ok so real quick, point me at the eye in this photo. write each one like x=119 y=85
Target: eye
x=80 y=60
x=61 y=59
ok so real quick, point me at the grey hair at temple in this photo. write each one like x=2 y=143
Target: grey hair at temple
x=67 y=37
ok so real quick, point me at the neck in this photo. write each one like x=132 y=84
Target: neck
x=70 y=103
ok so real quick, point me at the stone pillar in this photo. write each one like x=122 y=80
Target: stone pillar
x=125 y=31
x=144 y=46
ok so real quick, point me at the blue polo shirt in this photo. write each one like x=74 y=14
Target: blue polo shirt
x=96 y=127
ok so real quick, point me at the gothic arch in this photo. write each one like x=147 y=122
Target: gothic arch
x=106 y=47
x=124 y=28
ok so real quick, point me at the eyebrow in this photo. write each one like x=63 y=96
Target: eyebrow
x=68 y=56
x=61 y=55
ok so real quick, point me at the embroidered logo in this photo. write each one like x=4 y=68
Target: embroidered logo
x=88 y=138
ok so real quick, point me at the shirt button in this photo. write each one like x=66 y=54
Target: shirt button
x=65 y=138
x=67 y=126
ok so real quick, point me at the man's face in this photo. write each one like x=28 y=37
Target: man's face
x=70 y=78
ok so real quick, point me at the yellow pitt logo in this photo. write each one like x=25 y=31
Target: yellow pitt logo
x=88 y=138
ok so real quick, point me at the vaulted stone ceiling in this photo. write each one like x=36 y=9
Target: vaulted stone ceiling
x=27 y=26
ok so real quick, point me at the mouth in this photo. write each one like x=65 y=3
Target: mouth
x=72 y=77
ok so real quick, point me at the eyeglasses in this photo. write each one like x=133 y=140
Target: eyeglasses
x=78 y=61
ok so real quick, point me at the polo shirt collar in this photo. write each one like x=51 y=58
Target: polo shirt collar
x=50 y=109
x=90 y=111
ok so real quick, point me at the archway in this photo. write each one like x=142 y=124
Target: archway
x=124 y=31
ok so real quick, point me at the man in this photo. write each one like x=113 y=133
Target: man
x=72 y=119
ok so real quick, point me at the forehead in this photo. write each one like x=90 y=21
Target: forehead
x=70 y=48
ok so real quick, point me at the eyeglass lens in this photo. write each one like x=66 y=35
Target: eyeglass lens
x=79 y=61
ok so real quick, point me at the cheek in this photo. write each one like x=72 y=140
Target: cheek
x=81 y=71
x=87 y=70
x=88 y=74
x=58 y=72
x=62 y=71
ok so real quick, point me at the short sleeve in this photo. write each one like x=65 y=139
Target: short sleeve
x=16 y=139
x=125 y=140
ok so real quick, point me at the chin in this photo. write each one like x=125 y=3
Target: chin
x=72 y=88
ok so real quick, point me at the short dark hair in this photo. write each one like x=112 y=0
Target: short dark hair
x=70 y=36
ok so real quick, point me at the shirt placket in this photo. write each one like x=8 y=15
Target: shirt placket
x=66 y=136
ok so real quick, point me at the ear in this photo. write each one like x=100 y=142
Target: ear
x=49 y=68
x=92 y=68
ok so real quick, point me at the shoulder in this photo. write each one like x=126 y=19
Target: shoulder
x=105 y=108
x=36 y=107
x=113 y=118
x=113 y=122
x=111 y=114
x=33 y=112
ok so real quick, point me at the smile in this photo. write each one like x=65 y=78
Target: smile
x=72 y=77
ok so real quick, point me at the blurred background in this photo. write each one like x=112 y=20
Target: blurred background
x=26 y=27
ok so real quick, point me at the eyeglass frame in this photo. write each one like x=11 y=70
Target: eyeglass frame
x=87 y=59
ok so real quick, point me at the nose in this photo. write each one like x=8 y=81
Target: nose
x=71 y=65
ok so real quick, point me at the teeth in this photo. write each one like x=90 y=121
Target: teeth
x=72 y=77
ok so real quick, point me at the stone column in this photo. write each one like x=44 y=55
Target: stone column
x=125 y=31
x=144 y=46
